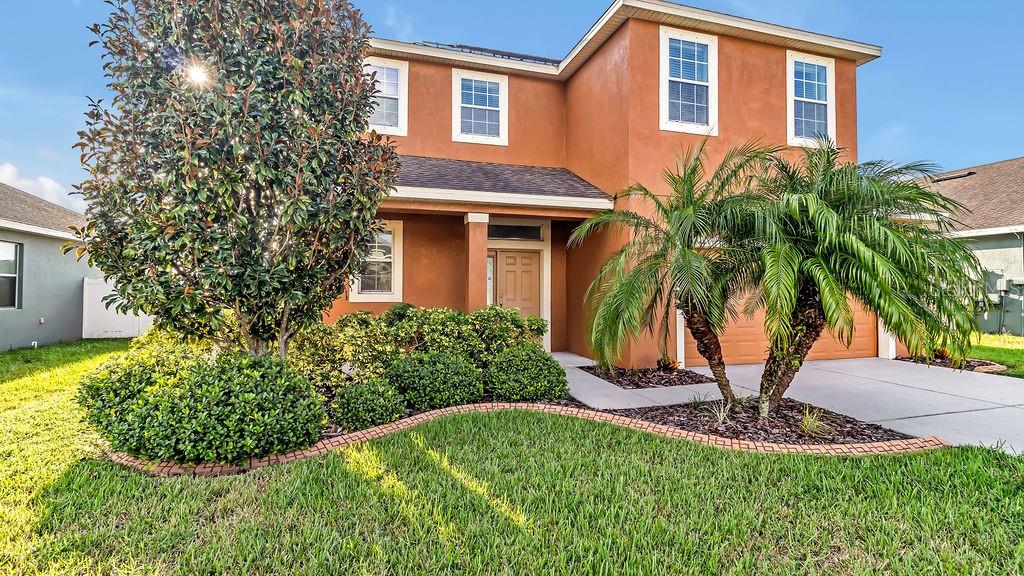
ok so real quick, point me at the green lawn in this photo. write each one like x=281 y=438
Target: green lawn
x=1002 y=349
x=507 y=493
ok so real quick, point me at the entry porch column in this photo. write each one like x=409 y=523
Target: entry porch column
x=476 y=260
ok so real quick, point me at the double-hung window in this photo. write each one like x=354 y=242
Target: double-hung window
x=10 y=254
x=689 y=82
x=391 y=115
x=380 y=274
x=812 y=99
x=479 y=108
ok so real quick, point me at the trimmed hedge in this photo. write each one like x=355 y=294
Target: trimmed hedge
x=318 y=353
x=526 y=373
x=432 y=380
x=367 y=404
x=501 y=328
x=160 y=404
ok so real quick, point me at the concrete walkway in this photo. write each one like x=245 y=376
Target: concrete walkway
x=962 y=407
x=603 y=395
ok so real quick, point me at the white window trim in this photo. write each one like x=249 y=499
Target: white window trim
x=396 y=228
x=830 y=67
x=457 y=135
x=403 y=95
x=18 y=248
x=712 y=43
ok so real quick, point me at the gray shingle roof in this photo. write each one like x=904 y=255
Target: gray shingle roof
x=24 y=208
x=423 y=172
x=993 y=192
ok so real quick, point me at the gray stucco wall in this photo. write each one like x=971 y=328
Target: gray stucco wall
x=1002 y=257
x=51 y=288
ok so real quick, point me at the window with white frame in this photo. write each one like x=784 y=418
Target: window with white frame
x=380 y=274
x=479 y=108
x=689 y=82
x=9 y=271
x=812 y=102
x=391 y=114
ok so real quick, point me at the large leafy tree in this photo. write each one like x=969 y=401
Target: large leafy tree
x=681 y=254
x=835 y=234
x=231 y=170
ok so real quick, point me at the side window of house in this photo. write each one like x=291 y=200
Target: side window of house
x=811 y=106
x=689 y=82
x=391 y=116
x=479 y=108
x=380 y=275
x=10 y=255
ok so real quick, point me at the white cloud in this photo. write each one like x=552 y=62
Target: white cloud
x=398 y=23
x=42 y=186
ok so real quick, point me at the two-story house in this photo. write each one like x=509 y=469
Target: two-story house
x=504 y=154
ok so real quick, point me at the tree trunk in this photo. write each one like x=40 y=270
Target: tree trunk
x=808 y=322
x=710 y=348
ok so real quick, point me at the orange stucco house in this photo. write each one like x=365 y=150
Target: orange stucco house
x=504 y=154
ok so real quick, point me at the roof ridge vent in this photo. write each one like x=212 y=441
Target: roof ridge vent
x=954 y=176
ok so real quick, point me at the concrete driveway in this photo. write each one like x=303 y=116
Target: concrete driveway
x=960 y=407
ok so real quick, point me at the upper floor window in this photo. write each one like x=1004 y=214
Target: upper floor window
x=380 y=275
x=391 y=114
x=479 y=108
x=689 y=82
x=812 y=101
x=9 y=270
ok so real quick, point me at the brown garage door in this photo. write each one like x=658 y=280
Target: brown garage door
x=745 y=343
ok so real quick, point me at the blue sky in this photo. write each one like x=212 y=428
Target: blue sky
x=949 y=87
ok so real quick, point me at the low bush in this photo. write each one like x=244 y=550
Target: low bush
x=438 y=330
x=537 y=327
x=431 y=380
x=526 y=373
x=499 y=328
x=318 y=353
x=397 y=314
x=363 y=405
x=156 y=404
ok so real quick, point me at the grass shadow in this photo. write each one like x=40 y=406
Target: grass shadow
x=30 y=362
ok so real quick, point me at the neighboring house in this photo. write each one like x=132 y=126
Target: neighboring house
x=504 y=154
x=995 y=227
x=41 y=289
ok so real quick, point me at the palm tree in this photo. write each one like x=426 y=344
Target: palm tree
x=832 y=234
x=679 y=256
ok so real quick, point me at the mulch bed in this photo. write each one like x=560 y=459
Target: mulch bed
x=782 y=427
x=969 y=365
x=633 y=379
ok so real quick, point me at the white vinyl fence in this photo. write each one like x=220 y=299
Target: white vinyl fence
x=98 y=321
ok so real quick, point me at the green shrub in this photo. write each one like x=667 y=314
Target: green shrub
x=499 y=328
x=159 y=406
x=526 y=373
x=169 y=345
x=432 y=380
x=537 y=327
x=318 y=353
x=363 y=405
x=397 y=314
x=437 y=330
x=368 y=344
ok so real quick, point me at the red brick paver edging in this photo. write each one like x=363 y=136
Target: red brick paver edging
x=324 y=446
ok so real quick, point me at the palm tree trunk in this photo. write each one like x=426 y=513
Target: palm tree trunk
x=710 y=348
x=808 y=322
